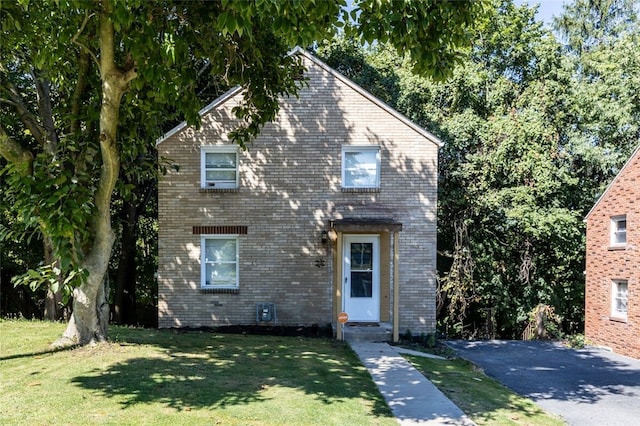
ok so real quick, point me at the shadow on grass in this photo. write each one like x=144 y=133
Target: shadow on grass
x=50 y=351
x=200 y=369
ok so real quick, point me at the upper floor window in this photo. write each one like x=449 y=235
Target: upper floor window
x=619 y=230
x=619 y=292
x=219 y=167
x=219 y=261
x=360 y=167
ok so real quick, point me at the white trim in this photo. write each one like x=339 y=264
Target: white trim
x=360 y=148
x=203 y=263
x=228 y=149
x=615 y=313
x=614 y=231
x=370 y=305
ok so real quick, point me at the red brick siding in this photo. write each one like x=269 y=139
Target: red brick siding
x=605 y=264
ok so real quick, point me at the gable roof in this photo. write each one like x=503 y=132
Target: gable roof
x=302 y=52
x=636 y=152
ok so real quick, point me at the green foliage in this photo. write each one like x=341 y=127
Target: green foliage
x=62 y=214
x=48 y=276
x=543 y=323
x=533 y=133
x=17 y=255
x=65 y=139
x=589 y=24
x=423 y=340
x=431 y=33
x=510 y=184
x=576 y=341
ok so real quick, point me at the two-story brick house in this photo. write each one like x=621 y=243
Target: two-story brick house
x=332 y=209
x=612 y=293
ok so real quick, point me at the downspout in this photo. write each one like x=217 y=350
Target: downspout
x=396 y=288
x=339 y=284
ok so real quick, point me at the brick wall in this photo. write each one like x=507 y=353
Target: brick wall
x=606 y=263
x=290 y=188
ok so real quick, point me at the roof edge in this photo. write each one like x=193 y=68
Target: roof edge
x=636 y=152
x=424 y=132
x=300 y=51
x=214 y=104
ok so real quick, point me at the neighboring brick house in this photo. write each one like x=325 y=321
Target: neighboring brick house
x=612 y=295
x=331 y=209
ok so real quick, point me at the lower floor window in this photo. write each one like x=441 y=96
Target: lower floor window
x=619 y=291
x=219 y=261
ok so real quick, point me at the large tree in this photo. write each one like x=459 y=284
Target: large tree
x=74 y=75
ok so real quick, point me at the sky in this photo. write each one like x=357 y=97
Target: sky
x=547 y=10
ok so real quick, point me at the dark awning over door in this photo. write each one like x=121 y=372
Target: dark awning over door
x=366 y=225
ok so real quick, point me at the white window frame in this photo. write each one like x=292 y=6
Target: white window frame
x=616 y=297
x=616 y=232
x=355 y=149
x=217 y=184
x=204 y=261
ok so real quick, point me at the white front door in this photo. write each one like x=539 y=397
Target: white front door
x=361 y=281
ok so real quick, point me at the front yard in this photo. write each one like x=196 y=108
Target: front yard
x=146 y=376
x=165 y=377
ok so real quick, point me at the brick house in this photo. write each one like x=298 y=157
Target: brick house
x=331 y=209
x=612 y=293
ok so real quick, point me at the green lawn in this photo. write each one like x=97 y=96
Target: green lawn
x=164 y=377
x=484 y=400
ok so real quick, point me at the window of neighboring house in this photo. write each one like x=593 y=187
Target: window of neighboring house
x=619 y=291
x=360 y=167
x=619 y=230
x=219 y=167
x=219 y=260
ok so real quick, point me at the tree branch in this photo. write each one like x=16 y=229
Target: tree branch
x=78 y=91
x=29 y=121
x=82 y=46
x=15 y=153
x=50 y=141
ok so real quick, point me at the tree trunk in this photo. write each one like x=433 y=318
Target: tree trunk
x=540 y=320
x=89 y=319
x=53 y=300
x=125 y=293
x=52 y=305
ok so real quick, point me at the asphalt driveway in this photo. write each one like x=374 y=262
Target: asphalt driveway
x=587 y=386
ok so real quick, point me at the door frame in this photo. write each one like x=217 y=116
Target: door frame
x=372 y=304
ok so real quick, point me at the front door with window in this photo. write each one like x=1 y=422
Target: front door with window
x=361 y=281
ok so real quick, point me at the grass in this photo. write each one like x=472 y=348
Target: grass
x=165 y=377
x=484 y=400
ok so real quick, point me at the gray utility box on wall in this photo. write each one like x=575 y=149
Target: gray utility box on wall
x=266 y=312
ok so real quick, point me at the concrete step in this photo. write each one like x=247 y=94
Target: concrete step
x=368 y=333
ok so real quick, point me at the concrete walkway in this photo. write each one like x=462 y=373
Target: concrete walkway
x=413 y=399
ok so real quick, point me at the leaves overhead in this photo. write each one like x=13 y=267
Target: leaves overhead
x=432 y=33
x=87 y=87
